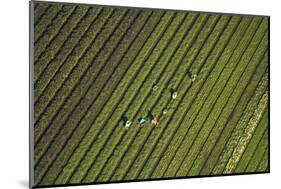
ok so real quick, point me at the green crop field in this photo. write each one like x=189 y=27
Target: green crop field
x=124 y=94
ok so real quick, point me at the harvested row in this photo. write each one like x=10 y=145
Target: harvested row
x=222 y=120
x=116 y=94
x=107 y=49
x=112 y=62
x=46 y=21
x=218 y=108
x=235 y=135
x=259 y=154
x=247 y=135
x=253 y=145
x=200 y=121
x=51 y=42
x=213 y=33
x=210 y=162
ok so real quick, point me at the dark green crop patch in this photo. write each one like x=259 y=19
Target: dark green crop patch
x=199 y=83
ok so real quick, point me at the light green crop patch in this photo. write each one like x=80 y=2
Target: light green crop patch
x=125 y=94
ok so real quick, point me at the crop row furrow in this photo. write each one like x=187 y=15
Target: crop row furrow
x=155 y=54
x=115 y=137
x=222 y=100
x=89 y=76
x=113 y=61
x=185 y=90
x=67 y=14
x=264 y=162
x=212 y=57
x=62 y=48
x=51 y=42
x=108 y=167
x=86 y=70
x=129 y=139
x=247 y=135
x=129 y=57
x=159 y=167
x=39 y=11
x=258 y=154
x=228 y=127
x=150 y=101
x=232 y=141
x=165 y=95
x=79 y=153
x=46 y=21
x=77 y=45
x=78 y=60
x=205 y=51
x=205 y=113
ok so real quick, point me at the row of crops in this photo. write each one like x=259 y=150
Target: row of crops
x=96 y=67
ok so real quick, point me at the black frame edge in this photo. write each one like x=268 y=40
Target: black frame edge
x=31 y=130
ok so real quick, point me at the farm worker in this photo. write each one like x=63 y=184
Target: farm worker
x=155 y=121
x=193 y=78
x=142 y=122
x=174 y=95
x=128 y=124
